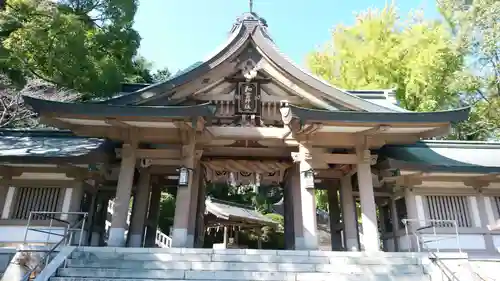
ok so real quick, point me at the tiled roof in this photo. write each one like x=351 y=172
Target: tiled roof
x=42 y=144
x=230 y=211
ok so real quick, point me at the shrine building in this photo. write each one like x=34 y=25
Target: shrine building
x=249 y=114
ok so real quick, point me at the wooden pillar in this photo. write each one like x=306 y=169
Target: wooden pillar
x=296 y=207
x=75 y=204
x=153 y=213
x=259 y=240
x=371 y=241
x=3 y=196
x=9 y=202
x=483 y=220
x=121 y=204
x=225 y=238
x=139 y=210
x=349 y=216
x=414 y=221
x=100 y=204
x=334 y=213
x=395 y=223
x=305 y=188
x=88 y=205
x=194 y=202
x=183 y=199
x=200 y=211
x=236 y=237
x=288 y=211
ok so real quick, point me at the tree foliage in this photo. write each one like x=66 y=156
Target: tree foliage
x=416 y=57
x=161 y=75
x=433 y=65
x=70 y=46
x=83 y=45
x=476 y=28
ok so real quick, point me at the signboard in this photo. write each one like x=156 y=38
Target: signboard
x=248 y=98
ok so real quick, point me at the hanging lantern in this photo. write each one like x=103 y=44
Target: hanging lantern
x=307 y=179
x=184 y=173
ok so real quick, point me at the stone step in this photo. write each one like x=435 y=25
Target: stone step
x=265 y=258
x=96 y=250
x=228 y=275
x=233 y=276
x=246 y=266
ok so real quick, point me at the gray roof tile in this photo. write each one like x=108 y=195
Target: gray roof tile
x=46 y=144
x=458 y=156
x=230 y=210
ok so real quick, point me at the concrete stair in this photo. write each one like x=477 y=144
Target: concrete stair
x=138 y=264
x=486 y=269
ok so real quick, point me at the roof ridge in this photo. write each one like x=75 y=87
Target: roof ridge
x=230 y=203
x=53 y=133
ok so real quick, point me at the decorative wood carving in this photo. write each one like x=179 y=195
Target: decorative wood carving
x=249 y=69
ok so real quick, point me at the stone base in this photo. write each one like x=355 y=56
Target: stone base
x=112 y=263
x=190 y=241
x=179 y=237
x=116 y=237
x=352 y=244
x=135 y=240
x=299 y=243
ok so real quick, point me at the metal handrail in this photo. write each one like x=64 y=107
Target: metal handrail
x=432 y=224
x=444 y=268
x=432 y=255
x=48 y=253
x=481 y=278
x=52 y=219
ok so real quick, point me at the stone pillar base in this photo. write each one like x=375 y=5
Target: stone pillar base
x=96 y=239
x=116 y=237
x=300 y=243
x=190 y=241
x=135 y=240
x=179 y=237
x=352 y=244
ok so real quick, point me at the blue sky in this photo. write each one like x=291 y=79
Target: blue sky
x=177 y=33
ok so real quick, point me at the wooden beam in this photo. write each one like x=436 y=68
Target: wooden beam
x=328 y=174
x=19 y=170
x=338 y=158
x=376 y=193
x=309 y=129
x=259 y=80
x=249 y=151
x=200 y=124
x=436 y=132
x=154 y=153
x=487 y=177
x=117 y=123
x=49 y=120
x=373 y=131
x=37 y=182
x=166 y=162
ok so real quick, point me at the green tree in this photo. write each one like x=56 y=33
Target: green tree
x=167 y=211
x=83 y=45
x=141 y=71
x=476 y=27
x=417 y=57
x=321 y=199
x=161 y=75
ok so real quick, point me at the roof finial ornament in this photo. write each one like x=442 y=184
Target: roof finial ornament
x=250 y=5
